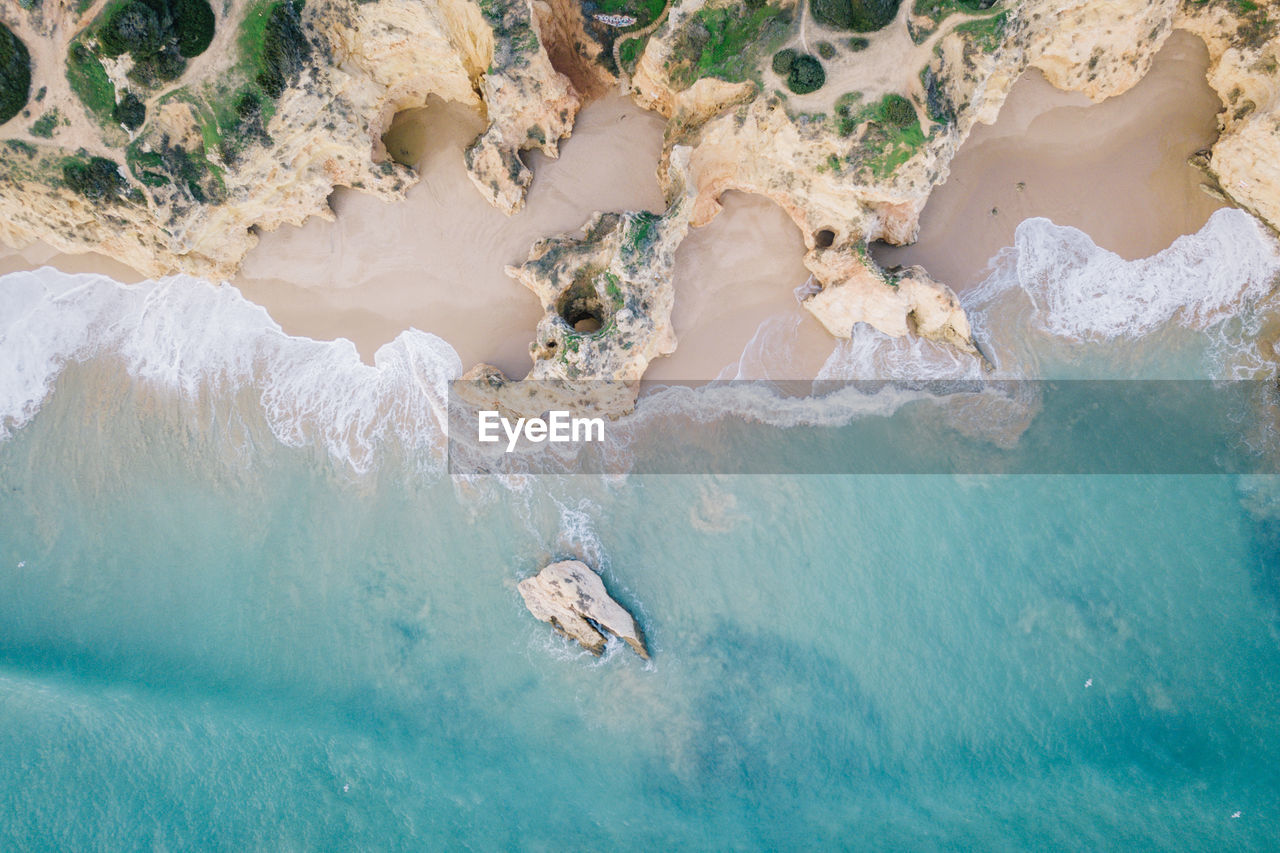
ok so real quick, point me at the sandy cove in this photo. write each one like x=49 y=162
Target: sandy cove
x=435 y=260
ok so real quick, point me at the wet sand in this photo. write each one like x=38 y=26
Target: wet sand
x=735 y=277
x=434 y=261
x=1116 y=170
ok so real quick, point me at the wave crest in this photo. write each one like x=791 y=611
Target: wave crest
x=191 y=336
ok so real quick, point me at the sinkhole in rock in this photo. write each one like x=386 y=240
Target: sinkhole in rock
x=581 y=307
x=824 y=238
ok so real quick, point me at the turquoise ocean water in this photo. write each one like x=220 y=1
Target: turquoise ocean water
x=243 y=608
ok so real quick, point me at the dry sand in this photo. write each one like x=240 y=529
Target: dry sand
x=1116 y=170
x=734 y=277
x=435 y=260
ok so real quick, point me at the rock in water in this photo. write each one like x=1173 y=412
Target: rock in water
x=573 y=599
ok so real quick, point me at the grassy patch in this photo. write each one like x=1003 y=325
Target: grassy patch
x=630 y=52
x=986 y=34
x=937 y=11
x=46 y=124
x=888 y=147
x=89 y=80
x=890 y=131
x=728 y=43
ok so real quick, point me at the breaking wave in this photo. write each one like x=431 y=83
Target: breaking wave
x=1082 y=291
x=193 y=337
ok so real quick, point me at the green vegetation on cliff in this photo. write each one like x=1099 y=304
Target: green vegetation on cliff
x=645 y=12
x=280 y=51
x=892 y=137
x=158 y=35
x=986 y=34
x=859 y=16
x=15 y=74
x=94 y=178
x=727 y=42
x=889 y=131
x=934 y=12
x=89 y=80
x=130 y=112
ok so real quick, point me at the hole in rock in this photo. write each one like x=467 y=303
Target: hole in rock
x=581 y=307
x=824 y=238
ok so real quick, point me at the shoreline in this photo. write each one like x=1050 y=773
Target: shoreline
x=435 y=260
x=1095 y=167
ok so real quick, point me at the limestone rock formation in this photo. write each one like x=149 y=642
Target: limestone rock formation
x=856 y=160
x=571 y=596
x=222 y=155
x=607 y=294
x=219 y=158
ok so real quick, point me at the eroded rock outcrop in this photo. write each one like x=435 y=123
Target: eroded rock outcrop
x=856 y=160
x=571 y=596
x=607 y=294
x=218 y=159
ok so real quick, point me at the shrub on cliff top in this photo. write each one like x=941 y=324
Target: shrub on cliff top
x=285 y=49
x=97 y=179
x=15 y=74
x=782 y=61
x=160 y=35
x=897 y=111
x=130 y=112
x=860 y=16
x=195 y=24
x=806 y=75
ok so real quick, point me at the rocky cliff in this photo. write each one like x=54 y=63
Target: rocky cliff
x=289 y=101
x=846 y=113
x=855 y=158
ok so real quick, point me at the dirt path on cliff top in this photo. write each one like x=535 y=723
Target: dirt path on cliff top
x=891 y=63
x=48 y=71
x=1116 y=170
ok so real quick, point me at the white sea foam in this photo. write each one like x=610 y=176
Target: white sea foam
x=190 y=336
x=871 y=354
x=577 y=533
x=1056 y=283
x=1082 y=291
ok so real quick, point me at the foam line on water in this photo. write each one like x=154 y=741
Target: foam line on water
x=191 y=336
x=1084 y=292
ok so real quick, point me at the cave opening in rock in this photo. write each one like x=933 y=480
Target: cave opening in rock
x=824 y=238
x=581 y=307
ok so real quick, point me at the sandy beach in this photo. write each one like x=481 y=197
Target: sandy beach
x=1091 y=166
x=435 y=261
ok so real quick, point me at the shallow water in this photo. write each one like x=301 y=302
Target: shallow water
x=243 y=607
x=208 y=639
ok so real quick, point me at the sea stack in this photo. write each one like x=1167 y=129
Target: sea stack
x=572 y=597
